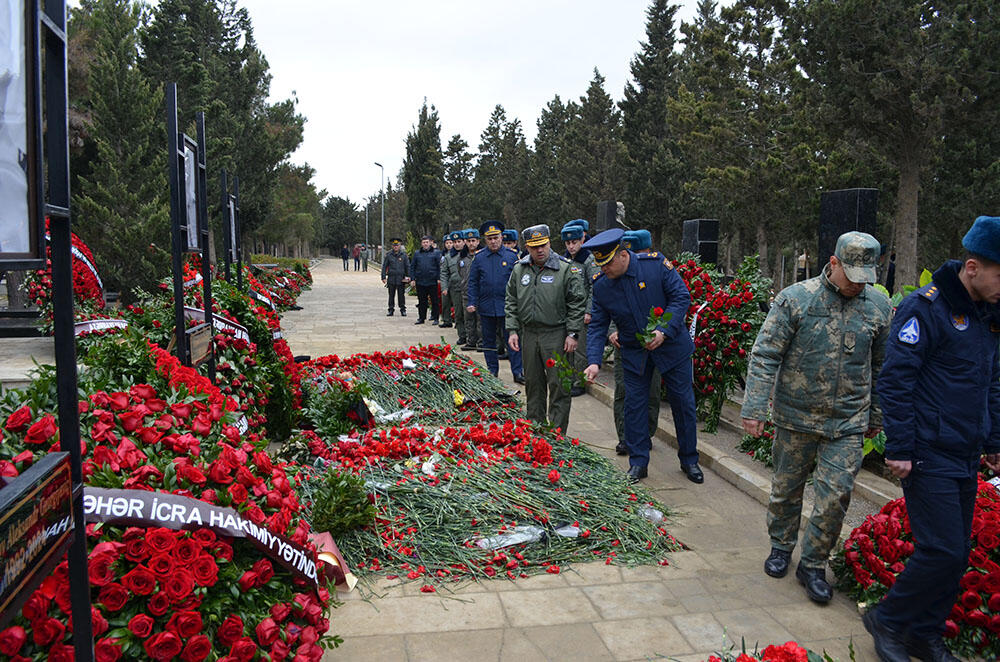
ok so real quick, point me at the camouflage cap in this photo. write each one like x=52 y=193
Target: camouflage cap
x=858 y=253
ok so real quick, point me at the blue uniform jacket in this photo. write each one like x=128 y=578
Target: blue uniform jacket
x=649 y=282
x=488 y=280
x=939 y=385
x=426 y=267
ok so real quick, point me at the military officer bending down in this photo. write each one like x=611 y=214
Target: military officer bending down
x=629 y=287
x=822 y=341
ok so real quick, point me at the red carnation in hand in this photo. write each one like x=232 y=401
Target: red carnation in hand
x=550 y=363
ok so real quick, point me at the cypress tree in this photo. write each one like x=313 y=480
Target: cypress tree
x=422 y=173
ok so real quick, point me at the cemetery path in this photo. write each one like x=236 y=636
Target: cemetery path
x=713 y=592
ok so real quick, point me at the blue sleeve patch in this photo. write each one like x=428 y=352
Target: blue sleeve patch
x=910 y=333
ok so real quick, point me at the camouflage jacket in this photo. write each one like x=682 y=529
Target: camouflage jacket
x=819 y=351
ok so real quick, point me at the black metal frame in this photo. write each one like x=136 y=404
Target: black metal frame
x=50 y=34
x=230 y=205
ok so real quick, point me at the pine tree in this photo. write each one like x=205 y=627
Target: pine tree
x=552 y=123
x=122 y=209
x=592 y=153
x=456 y=195
x=423 y=172
x=654 y=161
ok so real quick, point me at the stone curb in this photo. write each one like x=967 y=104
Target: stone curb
x=755 y=484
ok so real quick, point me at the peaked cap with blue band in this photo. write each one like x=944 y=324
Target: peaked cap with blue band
x=604 y=245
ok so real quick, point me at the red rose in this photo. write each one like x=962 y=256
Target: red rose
x=185 y=623
x=60 y=653
x=223 y=551
x=267 y=631
x=243 y=649
x=248 y=580
x=197 y=649
x=113 y=596
x=18 y=420
x=136 y=550
x=161 y=565
x=230 y=630
x=107 y=650
x=280 y=611
x=99 y=624
x=264 y=570
x=179 y=585
x=13 y=638
x=550 y=363
x=977 y=618
x=7 y=469
x=161 y=540
x=205 y=570
x=187 y=550
x=279 y=651
x=238 y=493
x=181 y=410
x=950 y=629
x=219 y=473
x=971 y=600
x=159 y=603
x=140 y=580
x=994 y=603
x=142 y=392
x=47 y=630
x=99 y=568
x=163 y=646
x=141 y=625
x=658 y=311
x=42 y=430
x=118 y=401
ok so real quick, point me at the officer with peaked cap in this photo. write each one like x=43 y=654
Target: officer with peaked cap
x=487 y=285
x=545 y=303
x=573 y=236
x=629 y=288
x=941 y=406
x=465 y=258
x=813 y=363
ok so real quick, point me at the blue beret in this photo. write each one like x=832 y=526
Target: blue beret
x=572 y=231
x=644 y=239
x=509 y=234
x=471 y=233
x=456 y=235
x=983 y=238
x=629 y=240
x=582 y=222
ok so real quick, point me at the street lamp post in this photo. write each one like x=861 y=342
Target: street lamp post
x=383 y=205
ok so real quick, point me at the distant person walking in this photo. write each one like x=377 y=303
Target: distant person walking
x=345 y=255
x=357 y=257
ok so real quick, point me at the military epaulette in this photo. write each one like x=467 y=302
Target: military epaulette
x=565 y=259
x=648 y=256
x=929 y=292
x=597 y=275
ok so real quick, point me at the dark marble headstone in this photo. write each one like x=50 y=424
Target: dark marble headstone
x=609 y=215
x=843 y=211
x=701 y=237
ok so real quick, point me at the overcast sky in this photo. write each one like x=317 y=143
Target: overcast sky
x=361 y=70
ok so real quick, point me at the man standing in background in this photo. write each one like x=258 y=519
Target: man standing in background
x=395 y=276
x=425 y=269
x=487 y=287
x=473 y=341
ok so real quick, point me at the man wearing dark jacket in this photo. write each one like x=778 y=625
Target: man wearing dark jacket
x=426 y=268
x=395 y=275
x=940 y=394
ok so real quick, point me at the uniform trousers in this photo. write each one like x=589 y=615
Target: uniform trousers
x=427 y=297
x=837 y=463
x=940 y=510
x=471 y=322
x=678 y=380
x=445 y=308
x=491 y=326
x=580 y=361
x=619 y=405
x=454 y=299
x=397 y=291
x=539 y=344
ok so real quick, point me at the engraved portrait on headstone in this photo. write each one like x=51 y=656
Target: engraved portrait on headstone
x=15 y=224
x=191 y=196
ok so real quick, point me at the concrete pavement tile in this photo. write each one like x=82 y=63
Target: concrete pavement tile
x=642 y=638
x=814 y=622
x=391 y=648
x=633 y=600
x=700 y=630
x=516 y=646
x=544 y=580
x=584 y=574
x=454 y=646
x=737 y=560
x=547 y=607
x=569 y=642
x=427 y=613
x=699 y=603
x=684 y=564
x=754 y=625
x=840 y=648
x=683 y=588
x=482 y=586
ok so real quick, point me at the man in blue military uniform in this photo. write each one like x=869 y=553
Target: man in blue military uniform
x=629 y=288
x=487 y=287
x=425 y=268
x=940 y=394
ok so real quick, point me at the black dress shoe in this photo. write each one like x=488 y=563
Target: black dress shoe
x=445 y=325
x=403 y=313
x=693 y=472
x=502 y=356
x=621 y=448
x=814 y=579
x=577 y=390
x=635 y=474
x=469 y=347
x=434 y=322
x=776 y=565
x=460 y=342
x=418 y=322
x=389 y=314
x=519 y=379
x=929 y=650
x=888 y=643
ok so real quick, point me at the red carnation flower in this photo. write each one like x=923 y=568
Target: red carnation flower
x=550 y=363
x=553 y=476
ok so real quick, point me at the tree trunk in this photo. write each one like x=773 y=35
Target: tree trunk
x=905 y=232
x=765 y=266
x=17 y=298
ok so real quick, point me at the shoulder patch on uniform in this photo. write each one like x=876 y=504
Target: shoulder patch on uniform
x=929 y=292
x=910 y=332
x=960 y=322
x=667 y=263
x=575 y=269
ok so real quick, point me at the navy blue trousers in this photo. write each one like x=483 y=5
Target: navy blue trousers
x=940 y=511
x=491 y=326
x=678 y=380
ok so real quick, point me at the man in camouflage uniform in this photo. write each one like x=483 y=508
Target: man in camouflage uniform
x=465 y=258
x=822 y=341
x=451 y=285
x=573 y=236
x=544 y=305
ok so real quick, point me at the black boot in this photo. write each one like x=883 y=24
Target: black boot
x=929 y=650
x=635 y=474
x=888 y=643
x=814 y=579
x=776 y=564
x=621 y=448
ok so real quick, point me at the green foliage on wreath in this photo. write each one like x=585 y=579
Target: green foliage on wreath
x=337 y=502
x=326 y=407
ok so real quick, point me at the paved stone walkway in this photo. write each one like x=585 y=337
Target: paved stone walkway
x=713 y=592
